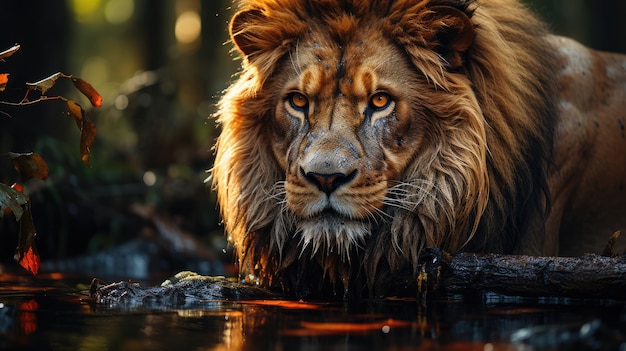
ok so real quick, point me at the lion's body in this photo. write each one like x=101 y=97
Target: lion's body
x=588 y=181
x=361 y=131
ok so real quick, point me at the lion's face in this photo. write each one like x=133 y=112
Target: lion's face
x=345 y=126
x=370 y=131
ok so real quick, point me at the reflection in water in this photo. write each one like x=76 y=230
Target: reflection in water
x=44 y=314
x=27 y=317
x=232 y=333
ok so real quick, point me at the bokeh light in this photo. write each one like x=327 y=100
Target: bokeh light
x=84 y=10
x=188 y=27
x=119 y=11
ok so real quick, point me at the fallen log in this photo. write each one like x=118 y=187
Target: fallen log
x=587 y=276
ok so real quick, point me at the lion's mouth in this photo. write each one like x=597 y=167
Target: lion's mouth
x=329 y=231
x=331 y=214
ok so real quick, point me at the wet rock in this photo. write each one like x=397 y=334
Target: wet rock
x=182 y=290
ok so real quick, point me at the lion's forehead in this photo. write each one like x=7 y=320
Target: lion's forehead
x=352 y=70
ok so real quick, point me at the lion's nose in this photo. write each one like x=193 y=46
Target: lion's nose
x=328 y=183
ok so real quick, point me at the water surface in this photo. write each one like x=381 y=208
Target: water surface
x=55 y=312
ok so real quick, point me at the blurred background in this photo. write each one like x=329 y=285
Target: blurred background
x=142 y=207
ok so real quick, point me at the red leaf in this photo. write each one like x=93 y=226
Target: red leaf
x=94 y=97
x=18 y=187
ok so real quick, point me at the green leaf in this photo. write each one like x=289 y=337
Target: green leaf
x=46 y=83
x=12 y=200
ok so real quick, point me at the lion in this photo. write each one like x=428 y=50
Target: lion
x=359 y=132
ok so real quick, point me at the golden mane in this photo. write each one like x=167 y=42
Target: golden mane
x=489 y=173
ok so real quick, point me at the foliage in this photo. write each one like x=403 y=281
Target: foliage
x=31 y=165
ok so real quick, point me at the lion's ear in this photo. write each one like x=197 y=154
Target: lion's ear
x=243 y=31
x=454 y=33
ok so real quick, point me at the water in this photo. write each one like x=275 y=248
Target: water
x=55 y=312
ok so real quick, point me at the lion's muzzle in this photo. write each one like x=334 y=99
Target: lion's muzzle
x=328 y=183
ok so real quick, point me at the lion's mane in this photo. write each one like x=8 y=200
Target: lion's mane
x=491 y=196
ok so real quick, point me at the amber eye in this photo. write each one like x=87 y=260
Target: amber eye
x=298 y=101
x=379 y=101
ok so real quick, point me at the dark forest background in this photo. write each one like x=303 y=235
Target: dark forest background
x=160 y=67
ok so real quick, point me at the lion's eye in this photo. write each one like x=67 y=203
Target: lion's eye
x=298 y=101
x=379 y=101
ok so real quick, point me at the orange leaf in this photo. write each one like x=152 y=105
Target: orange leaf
x=77 y=112
x=29 y=165
x=87 y=137
x=9 y=52
x=88 y=91
x=4 y=79
x=45 y=83
x=31 y=261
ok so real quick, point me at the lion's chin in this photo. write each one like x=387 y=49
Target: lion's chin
x=330 y=233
